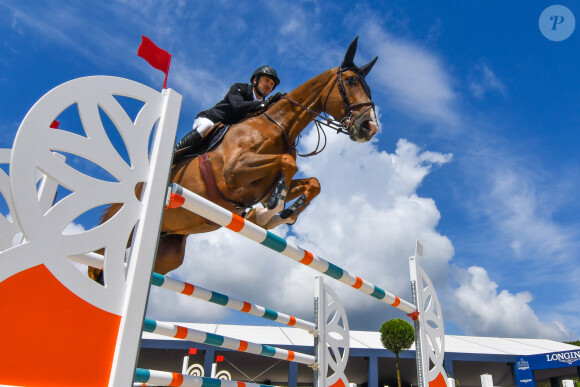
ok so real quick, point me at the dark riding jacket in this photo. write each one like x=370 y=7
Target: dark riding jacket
x=237 y=103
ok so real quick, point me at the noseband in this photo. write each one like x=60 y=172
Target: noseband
x=323 y=119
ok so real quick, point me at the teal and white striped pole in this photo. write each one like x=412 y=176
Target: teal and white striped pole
x=198 y=292
x=184 y=333
x=162 y=378
x=181 y=197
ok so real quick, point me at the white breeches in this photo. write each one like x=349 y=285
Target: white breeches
x=202 y=125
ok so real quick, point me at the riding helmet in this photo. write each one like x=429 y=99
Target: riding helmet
x=268 y=71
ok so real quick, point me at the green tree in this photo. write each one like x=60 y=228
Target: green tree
x=397 y=335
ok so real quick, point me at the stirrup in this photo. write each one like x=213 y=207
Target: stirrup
x=298 y=204
x=277 y=194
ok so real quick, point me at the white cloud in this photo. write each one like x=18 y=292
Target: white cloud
x=369 y=213
x=485 y=81
x=73 y=228
x=52 y=28
x=291 y=26
x=365 y=220
x=199 y=85
x=521 y=215
x=521 y=205
x=483 y=311
x=415 y=79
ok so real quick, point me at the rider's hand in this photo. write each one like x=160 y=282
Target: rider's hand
x=275 y=98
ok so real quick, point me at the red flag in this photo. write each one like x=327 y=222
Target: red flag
x=55 y=124
x=219 y=358
x=155 y=56
x=192 y=351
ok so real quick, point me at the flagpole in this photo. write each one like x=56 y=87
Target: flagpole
x=166 y=73
x=155 y=56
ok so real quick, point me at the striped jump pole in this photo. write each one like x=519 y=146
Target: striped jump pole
x=183 y=333
x=198 y=292
x=161 y=378
x=181 y=197
x=188 y=289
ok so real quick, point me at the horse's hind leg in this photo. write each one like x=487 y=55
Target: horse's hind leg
x=170 y=250
x=170 y=253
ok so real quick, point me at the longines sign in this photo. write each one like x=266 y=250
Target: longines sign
x=553 y=360
x=525 y=366
x=569 y=357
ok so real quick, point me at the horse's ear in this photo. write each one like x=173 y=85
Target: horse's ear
x=349 y=56
x=368 y=67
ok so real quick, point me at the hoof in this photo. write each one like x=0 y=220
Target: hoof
x=291 y=219
x=298 y=205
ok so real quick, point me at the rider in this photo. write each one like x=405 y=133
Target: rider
x=242 y=99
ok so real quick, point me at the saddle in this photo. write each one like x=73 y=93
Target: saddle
x=213 y=137
x=211 y=140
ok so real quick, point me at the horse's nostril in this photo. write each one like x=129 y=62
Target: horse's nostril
x=369 y=128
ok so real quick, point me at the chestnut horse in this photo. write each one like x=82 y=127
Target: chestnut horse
x=259 y=151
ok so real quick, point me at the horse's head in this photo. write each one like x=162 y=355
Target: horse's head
x=350 y=98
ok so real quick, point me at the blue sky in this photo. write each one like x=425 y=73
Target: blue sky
x=476 y=155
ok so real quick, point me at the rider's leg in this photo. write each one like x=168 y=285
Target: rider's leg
x=201 y=125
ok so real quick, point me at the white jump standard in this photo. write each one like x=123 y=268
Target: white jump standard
x=95 y=330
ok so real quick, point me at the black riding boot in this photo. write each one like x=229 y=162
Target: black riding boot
x=191 y=139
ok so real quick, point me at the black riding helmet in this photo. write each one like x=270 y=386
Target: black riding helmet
x=268 y=71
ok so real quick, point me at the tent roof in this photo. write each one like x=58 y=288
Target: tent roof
x=287 y=336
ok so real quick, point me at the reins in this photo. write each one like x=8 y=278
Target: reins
x=323 y=119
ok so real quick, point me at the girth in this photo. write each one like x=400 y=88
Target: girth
x=213 y=192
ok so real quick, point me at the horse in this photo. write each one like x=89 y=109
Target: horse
x=259 y=152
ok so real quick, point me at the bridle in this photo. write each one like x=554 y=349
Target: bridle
x=348 y=107
x=323 y=119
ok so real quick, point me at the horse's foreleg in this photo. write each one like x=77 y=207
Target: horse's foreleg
x=263 y=216
x=309 y=187
x=254 y=167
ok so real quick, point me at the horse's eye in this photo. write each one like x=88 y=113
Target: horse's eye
x=351 y=81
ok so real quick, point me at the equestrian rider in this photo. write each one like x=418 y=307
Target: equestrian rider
x=241 y=100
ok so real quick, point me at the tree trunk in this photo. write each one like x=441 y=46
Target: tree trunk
x=398 y=371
